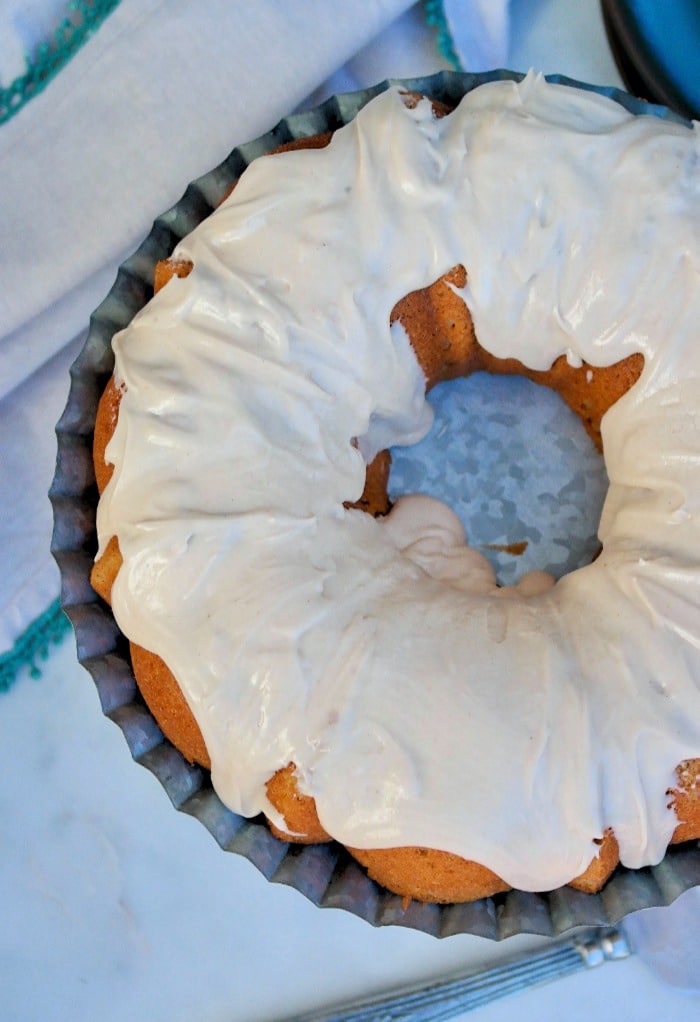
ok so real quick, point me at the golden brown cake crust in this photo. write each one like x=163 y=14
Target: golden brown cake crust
x=299 y=811
x=424 y=874
x=441 y=331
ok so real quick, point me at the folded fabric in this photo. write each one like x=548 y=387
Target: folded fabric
x=472 y=35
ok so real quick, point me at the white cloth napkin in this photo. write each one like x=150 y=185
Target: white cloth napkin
x=157 y=96
x=481 y=40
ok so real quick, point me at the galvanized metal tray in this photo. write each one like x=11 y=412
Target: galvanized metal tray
x=324 y=874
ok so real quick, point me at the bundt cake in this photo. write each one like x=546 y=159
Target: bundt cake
x=351 y=669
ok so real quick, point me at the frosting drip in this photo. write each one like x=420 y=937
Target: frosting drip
x=419 y=705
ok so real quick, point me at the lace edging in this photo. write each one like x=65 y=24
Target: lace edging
x=33 y=645
x=83 y=18
x=435 y=16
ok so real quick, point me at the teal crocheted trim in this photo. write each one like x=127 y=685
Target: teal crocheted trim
x=435 y=16
x=34 y=644
x=82 y=19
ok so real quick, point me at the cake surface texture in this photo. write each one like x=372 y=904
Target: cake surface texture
x=422 y=705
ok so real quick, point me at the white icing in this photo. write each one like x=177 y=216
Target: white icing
x=420 y=707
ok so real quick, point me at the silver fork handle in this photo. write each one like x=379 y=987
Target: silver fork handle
x=459 y=994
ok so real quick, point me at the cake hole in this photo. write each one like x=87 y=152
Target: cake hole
x=518 y=468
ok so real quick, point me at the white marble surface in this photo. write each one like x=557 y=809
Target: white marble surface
x=117 y=907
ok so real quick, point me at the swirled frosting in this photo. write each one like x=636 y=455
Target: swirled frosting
x=419 y=705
